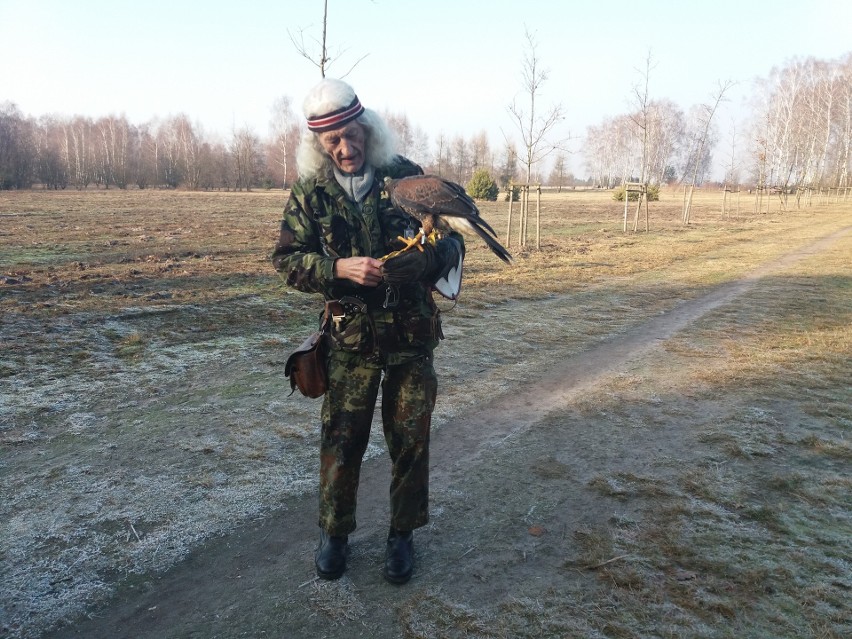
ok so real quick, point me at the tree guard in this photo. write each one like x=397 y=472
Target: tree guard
x=642 y=190
x=523 y=214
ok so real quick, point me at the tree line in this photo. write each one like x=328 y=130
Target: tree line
x=802 y=130
x=798 y=136
x=80 y=152
x=110 y=152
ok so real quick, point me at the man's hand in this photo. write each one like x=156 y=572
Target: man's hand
x=366 y=271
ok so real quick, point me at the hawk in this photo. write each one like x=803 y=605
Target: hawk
x=440 y=205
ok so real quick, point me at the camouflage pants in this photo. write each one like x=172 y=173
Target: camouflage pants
x=408 y=397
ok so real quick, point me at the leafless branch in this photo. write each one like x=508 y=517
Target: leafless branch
x=323 y=60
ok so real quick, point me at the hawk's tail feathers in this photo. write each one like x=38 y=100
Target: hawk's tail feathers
x=480 y=221
x=492 y=243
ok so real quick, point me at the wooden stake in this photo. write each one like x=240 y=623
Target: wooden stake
x=509 y=224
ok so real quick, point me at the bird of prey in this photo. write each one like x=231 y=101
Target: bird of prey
x=440 y=206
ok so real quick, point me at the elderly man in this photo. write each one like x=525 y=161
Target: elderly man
x=384 y=326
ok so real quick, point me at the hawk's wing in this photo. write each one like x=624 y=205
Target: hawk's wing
x=429 y=195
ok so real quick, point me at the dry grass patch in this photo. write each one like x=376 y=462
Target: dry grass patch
x=752 y=533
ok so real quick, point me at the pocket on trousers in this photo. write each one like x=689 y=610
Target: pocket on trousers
x=416 y=330
x=353 y=333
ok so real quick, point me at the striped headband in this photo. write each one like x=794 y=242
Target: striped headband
x=336 y=118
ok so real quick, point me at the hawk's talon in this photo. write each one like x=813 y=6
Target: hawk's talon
x=418 y=242
x=409 y=242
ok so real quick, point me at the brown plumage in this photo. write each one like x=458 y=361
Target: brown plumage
x=440 y=205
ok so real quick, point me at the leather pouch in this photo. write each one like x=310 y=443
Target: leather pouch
x=307 y=366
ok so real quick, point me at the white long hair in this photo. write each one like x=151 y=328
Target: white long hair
x=381 y=143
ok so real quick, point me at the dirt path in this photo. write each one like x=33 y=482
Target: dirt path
x=510 y=493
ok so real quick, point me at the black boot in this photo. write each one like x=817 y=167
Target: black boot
x=399 y=560
x=330 y=557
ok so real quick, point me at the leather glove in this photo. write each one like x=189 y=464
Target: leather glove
x=411 y=266
x=428 y=265
x=448 y=252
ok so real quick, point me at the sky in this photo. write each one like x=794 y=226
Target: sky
x=452 y=67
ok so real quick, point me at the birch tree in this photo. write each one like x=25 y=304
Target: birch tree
x=116 y=139
x=78 y=152
x=284 y=132
x=50 y=168
x=702 y=146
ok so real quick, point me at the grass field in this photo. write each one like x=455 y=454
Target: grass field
x=142 y=407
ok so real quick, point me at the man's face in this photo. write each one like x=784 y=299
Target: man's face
x=345 y=146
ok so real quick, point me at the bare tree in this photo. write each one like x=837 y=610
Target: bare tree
x=480 y=152
x=461 y=171
x=666 y=127
x=284 y=132
x=402 y=129
x=559 y=174
x=534 y=127
x=225 y=172
x=441 y=162
x=245 y=150
x=191 y=146
x=702 y=146
x=843 y=144
x=112 y=153
x=144 y=159
x=508 y=169
x=322 y=60
x=419 y=150
x=642 y=118
x=732 y=173
x=78 y=152
x=412 y=140
x=168 y=153
x=17 y=157
x=643 y=122
x=612 y=152
x=51 y=169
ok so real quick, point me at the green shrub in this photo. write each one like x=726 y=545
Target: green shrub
x=516 y=194
x=482 y=186
x=653 y=194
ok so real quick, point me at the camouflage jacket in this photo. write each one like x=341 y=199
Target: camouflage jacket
x=321 y=224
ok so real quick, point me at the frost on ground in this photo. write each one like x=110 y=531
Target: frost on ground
x=117 y=464
x=126 y=447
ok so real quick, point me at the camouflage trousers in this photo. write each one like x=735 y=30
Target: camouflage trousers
x=409 y=390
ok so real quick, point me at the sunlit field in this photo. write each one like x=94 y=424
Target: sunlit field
x=143 y=409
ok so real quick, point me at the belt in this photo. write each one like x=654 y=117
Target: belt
x=384 y=296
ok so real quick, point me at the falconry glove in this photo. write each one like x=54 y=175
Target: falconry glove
x=410 y=266
x=449 y=255
x=439 y=265
x=447 y=279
